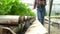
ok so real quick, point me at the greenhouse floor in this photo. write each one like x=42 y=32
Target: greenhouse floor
x=53 y=29
x=37 y=28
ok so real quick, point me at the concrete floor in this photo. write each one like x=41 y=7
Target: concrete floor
x=36 y=28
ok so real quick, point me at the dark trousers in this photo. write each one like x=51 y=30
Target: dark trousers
x=41 y=11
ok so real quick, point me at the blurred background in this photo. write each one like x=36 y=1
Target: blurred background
x=55 y=7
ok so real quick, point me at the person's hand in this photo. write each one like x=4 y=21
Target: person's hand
x=33 y=8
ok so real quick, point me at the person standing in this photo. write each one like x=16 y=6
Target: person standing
x=41 y=10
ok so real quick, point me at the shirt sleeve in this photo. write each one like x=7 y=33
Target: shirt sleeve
x=35 y=4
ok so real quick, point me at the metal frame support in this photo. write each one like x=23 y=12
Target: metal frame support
x=50 y=8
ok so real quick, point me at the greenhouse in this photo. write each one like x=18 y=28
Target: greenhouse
x=23 y=17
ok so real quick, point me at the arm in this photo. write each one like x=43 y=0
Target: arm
x=45 y=2
x=35 y=4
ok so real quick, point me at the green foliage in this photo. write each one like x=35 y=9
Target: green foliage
x=5 y=6
x=14 y=7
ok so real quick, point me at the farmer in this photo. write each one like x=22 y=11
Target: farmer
x=41 y=11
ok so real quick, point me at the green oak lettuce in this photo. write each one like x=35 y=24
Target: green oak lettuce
x=14 y=7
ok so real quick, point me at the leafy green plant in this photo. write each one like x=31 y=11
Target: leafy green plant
x=14 y=7
x=5 y=6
